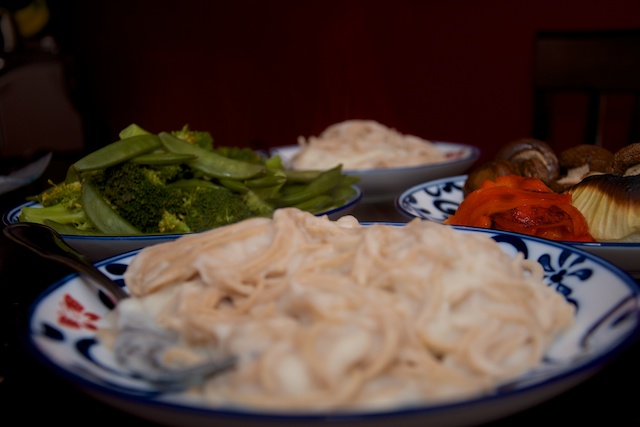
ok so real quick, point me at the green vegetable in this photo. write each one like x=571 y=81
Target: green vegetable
x=162 y=158
x=67 y=194
x=210 y=163
x=118 y=152
x=105 y=219
x=323 y=183
x=200 y=139
x=58 y=213
x=60 y=203
x=178 y=182
x=206 y=208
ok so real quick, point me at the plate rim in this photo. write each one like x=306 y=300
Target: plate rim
x=474 y=153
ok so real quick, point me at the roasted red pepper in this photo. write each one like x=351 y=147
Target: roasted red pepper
x=522 y=205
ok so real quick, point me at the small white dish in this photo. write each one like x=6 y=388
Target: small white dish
x=383 y=185
x=438 y=199
x=96 y=248
x=63 y=322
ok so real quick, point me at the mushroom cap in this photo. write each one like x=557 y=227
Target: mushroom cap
x=597 y=158
x=536 y=158
x=489 y=170
x=626 y=161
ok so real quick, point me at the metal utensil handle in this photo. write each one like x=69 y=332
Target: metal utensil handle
x=46 y=242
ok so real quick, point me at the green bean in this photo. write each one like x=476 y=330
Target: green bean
x=209 y=162
x=103 y=217
x=163 y=158
x=118 y=152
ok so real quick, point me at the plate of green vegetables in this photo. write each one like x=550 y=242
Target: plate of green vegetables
x=147 y=188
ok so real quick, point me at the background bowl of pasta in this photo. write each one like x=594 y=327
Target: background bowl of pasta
x=386 y=160
x=606 y=321
x=385 y=184
x=438 y=199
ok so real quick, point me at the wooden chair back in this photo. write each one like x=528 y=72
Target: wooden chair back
x=596 y=65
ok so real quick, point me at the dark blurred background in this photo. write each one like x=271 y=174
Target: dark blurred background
x=261 y=73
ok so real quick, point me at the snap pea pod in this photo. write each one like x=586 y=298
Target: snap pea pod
x=322 y=184
x=72 y=175
x=316 y=204
x=103 y=217
x=211 y=163
x=132 y=130
x=292 y=188
x=302 y=176
x=234 y=185
x=268 y=193
x=341 y=193
x=269 y=179
x=190 y=184
x=163 y=158
x=118 y=152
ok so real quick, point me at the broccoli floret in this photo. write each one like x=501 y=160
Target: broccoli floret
x=142 y=195
x=171 y=223
x=59 y=213
x=66 y=194
x=202 y=139
x=257 y=205
x=139 y=193
x=207 y=208
x=60 y=203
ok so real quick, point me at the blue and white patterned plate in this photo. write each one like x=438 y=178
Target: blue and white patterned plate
x=63 y=323
x=437 y=200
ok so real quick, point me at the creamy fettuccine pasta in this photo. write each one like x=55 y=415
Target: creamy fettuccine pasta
x=364 y=144
x=331 y=315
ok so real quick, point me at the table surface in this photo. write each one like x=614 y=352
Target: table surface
x=30 y=392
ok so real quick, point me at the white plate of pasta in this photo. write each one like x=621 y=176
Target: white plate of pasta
x=386 y=160
x=588 y=314
x=436 y=200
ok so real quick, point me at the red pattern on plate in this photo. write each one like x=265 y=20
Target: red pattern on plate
x=72 y=315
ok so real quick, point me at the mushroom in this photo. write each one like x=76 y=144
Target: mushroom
x=490 y=170
x=610 y=203
x=626 y=161
x=535 y=158
x=581 y=161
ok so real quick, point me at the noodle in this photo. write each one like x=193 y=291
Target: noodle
x=335 y=315
x=364 y=144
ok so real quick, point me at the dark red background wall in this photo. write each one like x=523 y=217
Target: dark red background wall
x=261 y=73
